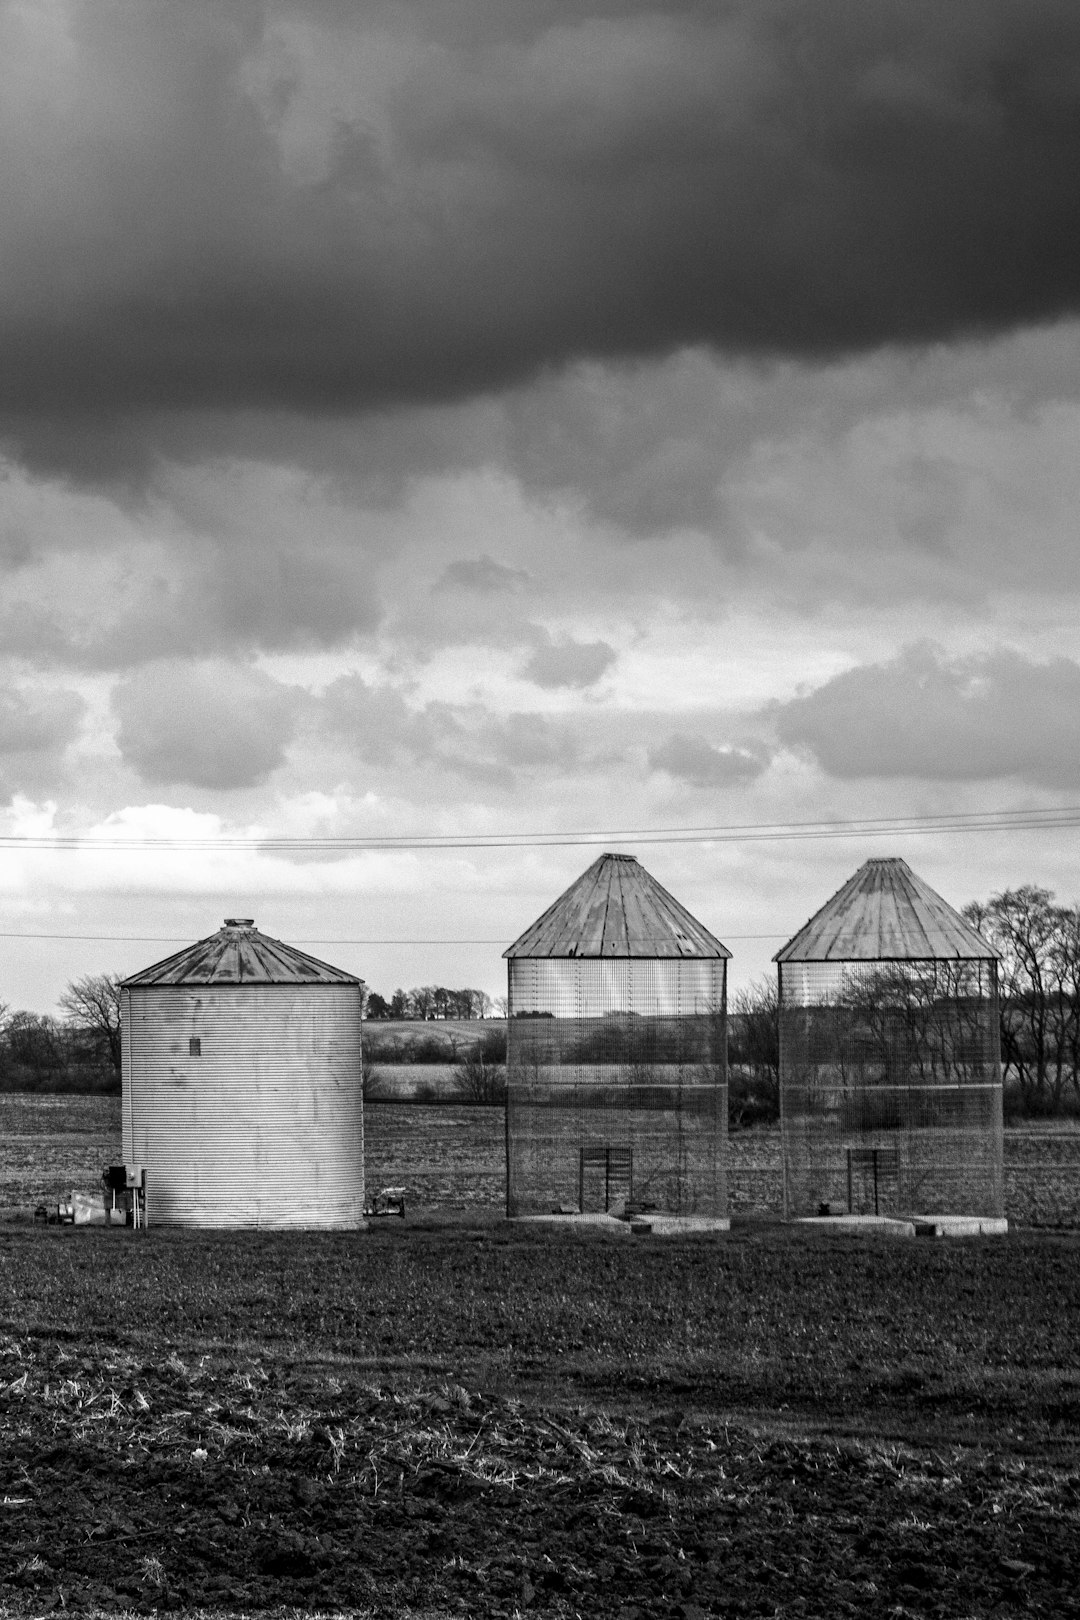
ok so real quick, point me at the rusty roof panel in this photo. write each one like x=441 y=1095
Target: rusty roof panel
x=614 y=909
x=239 y=954
x=886 y=913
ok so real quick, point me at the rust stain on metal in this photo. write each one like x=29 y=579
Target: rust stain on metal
x=616 y=909
x=883 y=913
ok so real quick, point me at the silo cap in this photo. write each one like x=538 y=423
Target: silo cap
x=239 y=954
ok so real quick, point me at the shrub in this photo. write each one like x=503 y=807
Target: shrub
x=753 y=1099
x=373 y=1081
x=1019 y=1104
x=478 y=1079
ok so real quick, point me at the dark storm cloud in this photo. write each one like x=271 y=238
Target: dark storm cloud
x=530 y=742
x=217 y=726
x=332 y=208
x=926 y=715
x=703 y=765
x=566 y=662
x=482 y=574
x=293 y=594
x=38 y=722
x=219 y=601
x=379 y=726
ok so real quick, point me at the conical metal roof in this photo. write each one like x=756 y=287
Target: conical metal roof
x=239 y=954
x=884 y=913
x=616 y=909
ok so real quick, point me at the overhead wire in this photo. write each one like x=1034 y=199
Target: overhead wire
x=181 y=939
x=1005 y=820
x=967 y=821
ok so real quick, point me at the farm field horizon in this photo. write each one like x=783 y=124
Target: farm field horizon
x=451 y=1157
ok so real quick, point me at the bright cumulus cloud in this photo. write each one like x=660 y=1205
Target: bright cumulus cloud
x=499 y=421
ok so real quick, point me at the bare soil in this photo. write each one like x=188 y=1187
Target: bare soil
x=476 y=1418
x=454 y=1415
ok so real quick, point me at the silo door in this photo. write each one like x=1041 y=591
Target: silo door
x=873 y=1180
x=606 y=1179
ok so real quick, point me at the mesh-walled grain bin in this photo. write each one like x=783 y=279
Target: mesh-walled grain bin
x=242 y=1085
x=617 y=1053
x=890 y=1072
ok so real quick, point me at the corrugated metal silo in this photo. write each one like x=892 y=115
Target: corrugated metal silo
x=617 y=1053
x=242 y=1085
x=890 y=1073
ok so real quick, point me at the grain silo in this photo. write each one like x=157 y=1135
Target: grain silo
x=242 y=1085
x=617 y=1053
x=890 y=1073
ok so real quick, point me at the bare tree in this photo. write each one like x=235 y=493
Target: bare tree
x=1039 y=977
x=754 y=1052
x=1019 y=923
x=92 y=1004
x=1067 y=964
x=372 y=1080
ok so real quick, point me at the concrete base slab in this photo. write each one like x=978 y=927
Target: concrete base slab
x=913 y=1225
x=609 y=1223
x=860 y=1223
x=677 y=1225
x=960 y=1226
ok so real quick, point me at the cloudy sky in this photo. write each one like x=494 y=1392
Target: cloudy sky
x=481 y=419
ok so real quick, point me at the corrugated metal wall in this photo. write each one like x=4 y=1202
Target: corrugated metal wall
x=264 y=1126
x=890 y=1087
x=621 y=1062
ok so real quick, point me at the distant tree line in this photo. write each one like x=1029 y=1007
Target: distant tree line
x=477 y=1065
x=78 y=1052
x=430 y=1001
x=1039 y=988
x=1038 y=942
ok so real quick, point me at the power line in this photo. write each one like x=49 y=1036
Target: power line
x=178 y=939
x=1007 y=820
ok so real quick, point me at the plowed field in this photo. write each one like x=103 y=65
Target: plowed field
x=432 y=1419
x=451 y=1415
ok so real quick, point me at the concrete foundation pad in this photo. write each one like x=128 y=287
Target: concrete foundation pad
x=913 y=1225
x=677 y=1225
x=860 y=1223
x=960 y=1225
x=609 y=1223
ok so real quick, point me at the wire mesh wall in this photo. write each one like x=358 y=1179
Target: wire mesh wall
x=616 y=1086
x=890 y=1087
